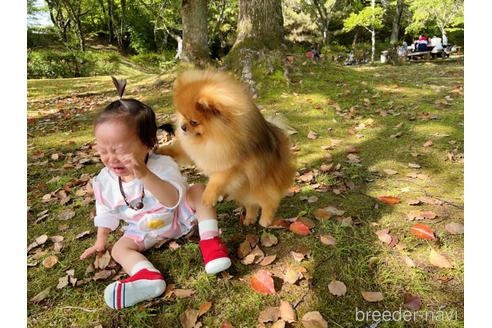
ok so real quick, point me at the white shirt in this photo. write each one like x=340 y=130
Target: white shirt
x=110 y=205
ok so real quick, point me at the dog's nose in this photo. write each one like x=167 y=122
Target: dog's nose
x=183 y=127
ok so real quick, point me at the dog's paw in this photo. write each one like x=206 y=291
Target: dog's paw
x=265 y=222
x=249 y=220
x=209 y=198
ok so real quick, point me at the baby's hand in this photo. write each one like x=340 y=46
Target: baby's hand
x=138 y=166
x=98 y=247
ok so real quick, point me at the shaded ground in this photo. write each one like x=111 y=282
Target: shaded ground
x=387 y=113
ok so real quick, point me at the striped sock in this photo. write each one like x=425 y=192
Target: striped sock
x=208 y=229
x=144 y=285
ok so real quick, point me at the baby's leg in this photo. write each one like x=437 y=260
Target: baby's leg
x=215 y=254
x=145 y=281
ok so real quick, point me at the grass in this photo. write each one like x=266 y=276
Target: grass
x=320 y=99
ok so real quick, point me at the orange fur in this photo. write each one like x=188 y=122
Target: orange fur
x=224 y=133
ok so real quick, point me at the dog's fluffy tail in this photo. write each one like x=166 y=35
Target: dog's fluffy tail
x=168 y=127
x=279 y=121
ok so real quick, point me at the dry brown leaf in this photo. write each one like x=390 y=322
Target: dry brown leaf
x=41 y=239
x=41 y=296
x=291 y=276
x=269 y=314
x=298 y=257
x=66 y=215
x=322 y=214
x=188 y=318
x=313 y=320
x=262 y=282
x=268 y=260
x=390 y=171
x=83 y=234
x=103 y=275
x=408 y=261
x=327 y=240
x=307 y=177
x=244 y=249
x=253 y=239
x=337 y=288
x=204 y=308
x=50 y=261
x=56 y=239
x=62 y=282
x=372 y=296
x=174 y=245
x=312 y=135
x=287 y=312
x=428 y=143
x=455 y=228
x=226 y=324
x=279 y=324
x=439 y=260
x=102 y=260
x=268 y=239
x=384 y=236
x=182 y=293
x=412 y=302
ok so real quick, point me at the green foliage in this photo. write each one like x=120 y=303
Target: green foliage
x=366 y=18
x=299 y=24
x=443 y=13
x=55 y=64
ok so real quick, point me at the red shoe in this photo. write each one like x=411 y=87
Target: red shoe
x=215 y=255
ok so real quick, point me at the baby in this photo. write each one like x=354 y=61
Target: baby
x=146 y=191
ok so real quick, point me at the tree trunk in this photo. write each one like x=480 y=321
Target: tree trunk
x=373 y=33
x=260 y=24
x=110 y=21
x=396 y=22
x=195 y=38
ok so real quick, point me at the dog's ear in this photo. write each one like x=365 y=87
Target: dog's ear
x=207 y=106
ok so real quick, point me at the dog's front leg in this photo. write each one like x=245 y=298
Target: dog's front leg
x=215 y=187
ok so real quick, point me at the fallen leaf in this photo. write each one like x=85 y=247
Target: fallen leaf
x=438 y=260
x=421 y=215
x=188 y=318
x=327 y=240
x=390 y=171
x=262 y=282
x=102 y=260
x=279 y=324
x=298 y=257
x=299 y=228
x=268 y=260
x=412 y=302
x=269 y=314
x=322 y=214
x=408 y=261
x=83 y=234
x=312 y=135
x=244 y=249
x=66 y=215
x=372 y=296
x=422 y=231
x=455 y=228
x=50 y=261
x=291 y=276
x=287 y=312
x=103 y=275
x=428 y=143
x=337 y=288
x=56 y=239
x=252 y=239
x=384 y=236
x=391 y=200
x=306 y=177
x=41 y=296
x=279 y=223
x=226 y=324
x=41 y=239
x=182 y=293
x=313 y=320
x=62 y=282
x=204 y=308
x=268 y=239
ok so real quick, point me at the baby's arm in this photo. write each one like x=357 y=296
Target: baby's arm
x=166 y=193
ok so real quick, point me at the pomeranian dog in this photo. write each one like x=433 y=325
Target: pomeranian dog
x=222 y=131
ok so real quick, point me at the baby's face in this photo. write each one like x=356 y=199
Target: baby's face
x=114 y=141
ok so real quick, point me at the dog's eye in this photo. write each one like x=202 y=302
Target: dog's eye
x=193 y=123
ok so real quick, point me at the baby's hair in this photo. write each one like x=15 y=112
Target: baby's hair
x=132 y=112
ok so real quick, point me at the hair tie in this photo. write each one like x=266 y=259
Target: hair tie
x=120 y=86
